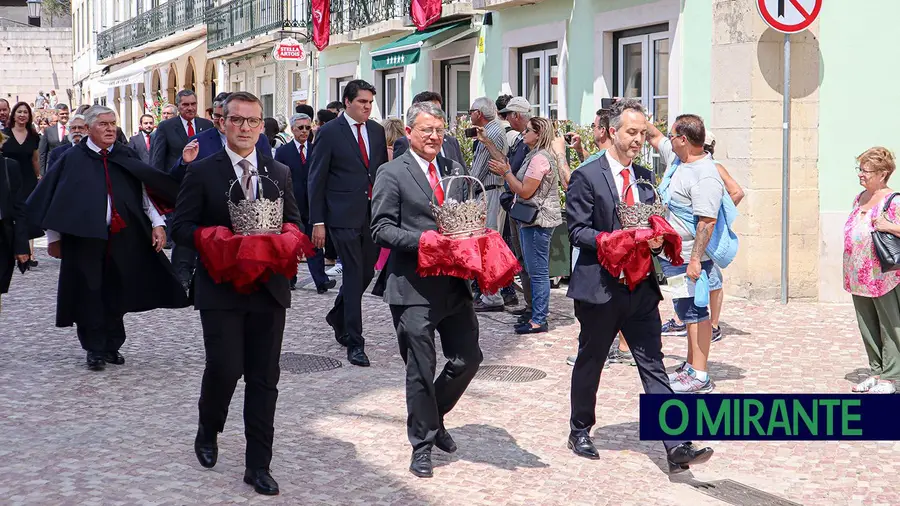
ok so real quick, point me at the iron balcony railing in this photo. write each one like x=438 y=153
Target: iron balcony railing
x=242 y=19
x=162 y=21
x=347 y=15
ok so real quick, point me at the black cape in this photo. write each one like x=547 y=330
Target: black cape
x=71 y=199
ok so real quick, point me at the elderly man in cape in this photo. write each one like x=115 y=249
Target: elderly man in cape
x=101 y=222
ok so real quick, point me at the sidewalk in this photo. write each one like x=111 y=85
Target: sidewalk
x=124 y=436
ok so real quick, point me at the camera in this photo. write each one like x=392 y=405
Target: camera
x=607 y=103
x=472 y=132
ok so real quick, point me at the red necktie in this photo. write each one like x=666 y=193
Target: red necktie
x=302 y=156
x=362 y=144
x=628 y=193
x=434 y=181
x=147 y=140
x=63 y=131
x=190 y=129
x=116 y=223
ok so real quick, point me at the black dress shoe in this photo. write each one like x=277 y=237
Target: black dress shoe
x=583 y=447
x=421 y=464
x=338 y=328
x=262 y=481
x=114 y=357
x=683 y=456
x=32 y=263
x=524 y=317
x=96 y=361
x=357 y=356
x=527 y=328
x=206 y=447
x=320 y=289
x=444 y=442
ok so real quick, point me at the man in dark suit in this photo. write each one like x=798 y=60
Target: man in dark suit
x=77 y=130
x=141 y=141
x=242 y=333
x=296 y=155
x=401 y=212
x=348 y=151
x=604 y=305
x=54 y=136
x=13 y=229
x=449 y=149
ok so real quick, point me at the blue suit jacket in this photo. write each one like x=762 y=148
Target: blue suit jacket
x=210 y=144
x=56 y=154
x=290 y=156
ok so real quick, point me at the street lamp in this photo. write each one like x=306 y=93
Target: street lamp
x=34 y=12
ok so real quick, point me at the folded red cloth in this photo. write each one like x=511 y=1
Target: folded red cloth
x=485 y=258
x=248 y=261
x=627 y=250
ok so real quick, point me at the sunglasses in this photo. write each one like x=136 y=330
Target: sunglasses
x=303 y=127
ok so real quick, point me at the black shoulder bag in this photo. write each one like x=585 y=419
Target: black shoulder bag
x=887 y=245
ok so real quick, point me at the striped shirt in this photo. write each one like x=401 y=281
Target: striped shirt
x=495 y=132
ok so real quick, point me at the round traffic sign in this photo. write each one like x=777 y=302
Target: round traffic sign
x=789 y=16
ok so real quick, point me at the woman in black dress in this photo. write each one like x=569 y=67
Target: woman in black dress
x=22 y=146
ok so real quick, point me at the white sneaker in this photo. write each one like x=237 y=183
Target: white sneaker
x=884 y=387
x=866 y=385
x=674 y=375
x=687 y=383
x=337 y=270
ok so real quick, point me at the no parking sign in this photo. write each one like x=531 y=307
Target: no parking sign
x=789 y=16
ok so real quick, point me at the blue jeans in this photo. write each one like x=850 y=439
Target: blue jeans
x=685 y=309
x=536 y=251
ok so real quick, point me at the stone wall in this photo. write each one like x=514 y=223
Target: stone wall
x=34 y=60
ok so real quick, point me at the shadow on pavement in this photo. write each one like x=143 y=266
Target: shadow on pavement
x=857 y=375
x=486 y=444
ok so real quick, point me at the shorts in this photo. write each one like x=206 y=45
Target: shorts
x=685 y=309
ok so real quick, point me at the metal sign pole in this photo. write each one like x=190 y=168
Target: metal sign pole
x=785 y=168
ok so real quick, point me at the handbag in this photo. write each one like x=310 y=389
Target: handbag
x=887 y=245
x=524 y=213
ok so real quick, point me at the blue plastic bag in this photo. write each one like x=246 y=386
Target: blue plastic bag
x=701 y=290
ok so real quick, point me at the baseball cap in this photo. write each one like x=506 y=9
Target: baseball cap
x=517 y=104
x=710 y=138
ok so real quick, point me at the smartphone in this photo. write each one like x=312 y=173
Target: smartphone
x=606 y=103
x=472 y=132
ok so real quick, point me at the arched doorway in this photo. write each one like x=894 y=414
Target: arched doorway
x=172 y=85
x=190 y=76
x=155 y=91
x=211 y=80
x=127 y=120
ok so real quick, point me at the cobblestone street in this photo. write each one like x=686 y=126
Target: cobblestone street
x=124 y=436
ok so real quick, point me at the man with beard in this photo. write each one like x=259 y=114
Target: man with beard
x=77 y=130
x=109 y=235
x=140 y=142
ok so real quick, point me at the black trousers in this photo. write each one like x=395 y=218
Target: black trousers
x=184 y=261
x=429 y=399
x=636 y=314
x=243 y=343
x=358 y=255
x=98 y=317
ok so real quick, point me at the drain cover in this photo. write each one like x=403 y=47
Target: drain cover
x=509 y=373
x=733 y=492
x=301 y=363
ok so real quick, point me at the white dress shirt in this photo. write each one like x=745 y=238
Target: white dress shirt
x=184 y=123
x=365 y=131
x=149 y=209
x=617 y=170
x=59 y=132
x=303 y=148
x=425 y=163
x=239 y=172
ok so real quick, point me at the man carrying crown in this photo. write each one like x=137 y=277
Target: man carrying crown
x=604 y=303
x=401 y=213
x=242 y=332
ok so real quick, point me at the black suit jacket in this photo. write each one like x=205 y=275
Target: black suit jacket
x=202 y=203
x=166 y=147
x=451 y=149
x=401 y=212
x=290 y=156
x=591 y=208
x=49 y=141
x=56 y=154
x=139 y=145
x=13 y=227
x=339 y=182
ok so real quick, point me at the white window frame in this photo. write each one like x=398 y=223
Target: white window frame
x=648 y=66
x=340 y=84
x=453 y=108
x=543 y=57
x=399 y=78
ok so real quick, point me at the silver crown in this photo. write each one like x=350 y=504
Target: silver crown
x=465 y=218
x=638 y=215
x=257 y=217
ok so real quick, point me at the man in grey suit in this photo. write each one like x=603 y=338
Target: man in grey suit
x=143 y=140
x=401 y=212
x=54 y=136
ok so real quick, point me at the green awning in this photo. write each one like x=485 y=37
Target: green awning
x=406 y=50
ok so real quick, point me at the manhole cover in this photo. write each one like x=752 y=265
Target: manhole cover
x=301 y=363
x=733 y=492
x=509 y=373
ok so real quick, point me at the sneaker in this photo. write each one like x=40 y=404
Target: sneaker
x=570 y=360
x=865 y=385
x=337 y=270
x=670 y=328
x=884 y=387
x=674 y=375
x=716 y=334
x=687 y=383
x=617 y=356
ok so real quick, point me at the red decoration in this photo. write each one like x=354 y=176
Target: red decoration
x=424 y=13
x=248 y=261
x=485 y=258
x=321 y=14
x=628 y=251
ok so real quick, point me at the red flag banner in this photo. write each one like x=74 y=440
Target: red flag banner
x=425 y=12
x=321 y=13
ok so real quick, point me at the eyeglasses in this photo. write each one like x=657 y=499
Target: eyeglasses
x=238 y=121
x=218 y=116
x=672 y=136
x=861 y=171
x=428 y=132
x=303 y=127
